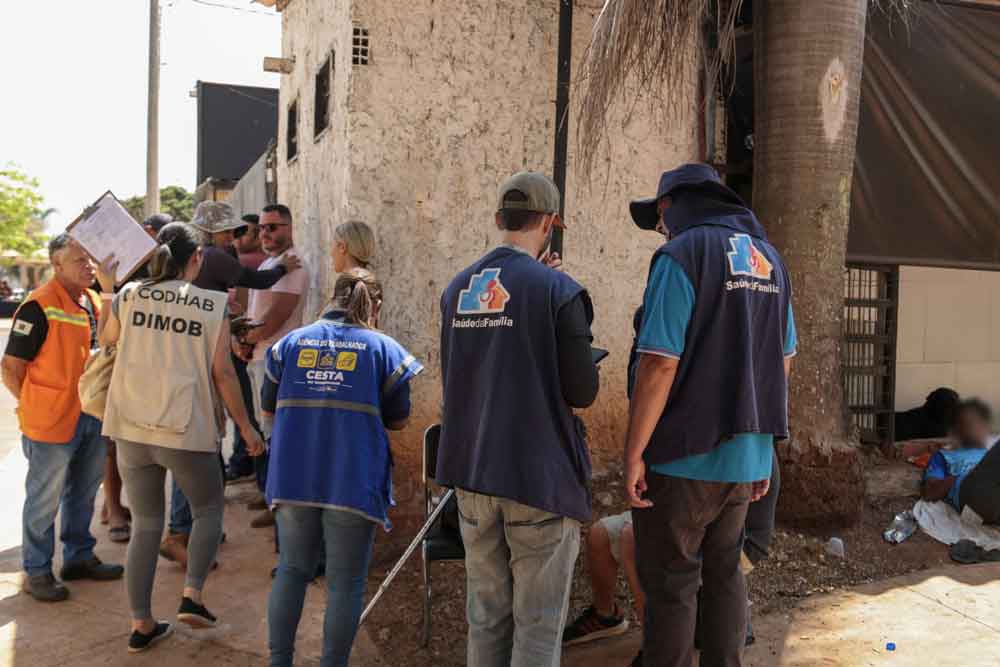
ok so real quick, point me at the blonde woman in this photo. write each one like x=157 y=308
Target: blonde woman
x=353 y=246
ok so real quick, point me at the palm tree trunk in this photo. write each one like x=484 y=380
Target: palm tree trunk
x=807 y=73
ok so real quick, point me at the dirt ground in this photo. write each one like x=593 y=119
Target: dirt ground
x=797 y=568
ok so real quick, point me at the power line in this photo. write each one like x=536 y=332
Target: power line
x=220 y=5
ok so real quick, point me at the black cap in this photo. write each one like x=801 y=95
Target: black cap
x=693 y=175
x=157 y=221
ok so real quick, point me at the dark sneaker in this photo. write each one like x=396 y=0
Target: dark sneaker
x=239 y=476
x=139 y=642
x=637 y=662
x=46 y=588
x=91 y=569
x=590 y=626
x=195 y=615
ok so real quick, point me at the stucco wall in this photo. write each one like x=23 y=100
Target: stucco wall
x=454 y=100
x=948 y=334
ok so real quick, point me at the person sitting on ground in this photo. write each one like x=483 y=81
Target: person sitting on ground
x=172 y=366
x=948 y=467
x=330 y=469
x=933 y=419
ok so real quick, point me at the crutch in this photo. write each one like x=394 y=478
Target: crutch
x=406 y=554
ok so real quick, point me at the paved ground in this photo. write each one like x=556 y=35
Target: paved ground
x=941 y=617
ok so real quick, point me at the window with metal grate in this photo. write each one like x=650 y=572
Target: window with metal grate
x=361 y=51
x=869 y=349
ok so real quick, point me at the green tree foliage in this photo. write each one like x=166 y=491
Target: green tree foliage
x=22 y=218
x=175 y=201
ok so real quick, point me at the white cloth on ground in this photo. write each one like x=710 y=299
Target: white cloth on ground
x=944 y=524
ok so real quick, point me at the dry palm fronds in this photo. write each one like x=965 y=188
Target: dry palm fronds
x=646 y=43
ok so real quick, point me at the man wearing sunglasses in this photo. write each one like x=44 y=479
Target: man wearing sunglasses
x=277 y=310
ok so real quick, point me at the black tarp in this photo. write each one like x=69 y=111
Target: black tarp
x=927 y=175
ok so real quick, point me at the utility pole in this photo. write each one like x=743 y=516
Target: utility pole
x=564 y=57
x=153 y=113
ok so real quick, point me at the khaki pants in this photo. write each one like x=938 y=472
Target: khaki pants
x=519 y=563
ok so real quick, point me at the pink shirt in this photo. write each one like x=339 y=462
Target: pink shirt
x=296 y=282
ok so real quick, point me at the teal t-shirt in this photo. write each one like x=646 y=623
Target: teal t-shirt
x=747 y=457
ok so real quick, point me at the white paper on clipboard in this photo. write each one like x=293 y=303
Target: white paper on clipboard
x=105 y=228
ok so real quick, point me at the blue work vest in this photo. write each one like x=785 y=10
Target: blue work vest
x=329 y=447
x=507 y=431
x=730 y=378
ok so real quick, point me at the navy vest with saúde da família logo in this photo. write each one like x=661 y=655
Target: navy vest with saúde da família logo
x=506 y=429
x=730 y=378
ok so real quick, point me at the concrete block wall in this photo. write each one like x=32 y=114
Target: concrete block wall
x=948 y=334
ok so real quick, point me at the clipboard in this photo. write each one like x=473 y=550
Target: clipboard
x=107 y=227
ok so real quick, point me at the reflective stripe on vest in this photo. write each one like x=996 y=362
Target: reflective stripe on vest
x=59 y=315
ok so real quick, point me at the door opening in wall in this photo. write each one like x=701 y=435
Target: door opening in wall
x=321 y=106
x=292 y=133
x=871 y=300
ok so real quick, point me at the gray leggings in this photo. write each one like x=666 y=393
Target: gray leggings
x=144 y=470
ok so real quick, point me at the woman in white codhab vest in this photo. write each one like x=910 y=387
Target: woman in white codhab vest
x=173 y=365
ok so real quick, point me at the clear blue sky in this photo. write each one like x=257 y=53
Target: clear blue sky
x=73 y=110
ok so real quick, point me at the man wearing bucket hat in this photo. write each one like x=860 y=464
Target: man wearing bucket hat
x=515 y=361
x=221 y=271
x=710 y=398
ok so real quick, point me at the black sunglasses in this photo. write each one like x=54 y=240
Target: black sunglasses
x=272 y=227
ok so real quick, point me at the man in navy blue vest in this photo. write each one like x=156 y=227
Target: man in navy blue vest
x=710 y=398
x=515 y=361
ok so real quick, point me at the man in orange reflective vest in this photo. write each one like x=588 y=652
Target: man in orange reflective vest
x=53 y=333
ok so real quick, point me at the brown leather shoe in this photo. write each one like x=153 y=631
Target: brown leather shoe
x=257 y=503
x=174 y=549
x=263 y=520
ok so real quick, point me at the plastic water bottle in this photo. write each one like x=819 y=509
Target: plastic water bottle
x=835 y=547
x=903 y=525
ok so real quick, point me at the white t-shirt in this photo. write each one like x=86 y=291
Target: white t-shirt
x=296 y=282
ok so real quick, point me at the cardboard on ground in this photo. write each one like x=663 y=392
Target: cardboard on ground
x=106 y=228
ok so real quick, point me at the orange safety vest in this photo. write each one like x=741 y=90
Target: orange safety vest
x=49 y=407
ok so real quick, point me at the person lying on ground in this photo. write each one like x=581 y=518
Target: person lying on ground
x=948 y=467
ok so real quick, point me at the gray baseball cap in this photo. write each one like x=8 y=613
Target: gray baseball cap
x=537 y=193
x=215 y=216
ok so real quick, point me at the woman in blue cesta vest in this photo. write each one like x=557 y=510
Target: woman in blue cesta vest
x=334 y=388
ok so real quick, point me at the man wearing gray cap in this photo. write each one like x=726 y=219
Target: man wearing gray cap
x=515 y=361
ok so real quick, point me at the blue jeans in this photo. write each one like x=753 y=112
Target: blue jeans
x=348 y=538
x=67 y=476
x=241 y=461
x=180 y=511
x=519 y=570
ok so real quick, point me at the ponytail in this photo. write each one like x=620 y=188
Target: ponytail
x=358 y=293
x=178 y=243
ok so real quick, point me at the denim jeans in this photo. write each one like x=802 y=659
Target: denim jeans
x=519 y=566
x=180 y=510
x=348 y=538
x=67 y=476
x=241 y=461
x=256 y=372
